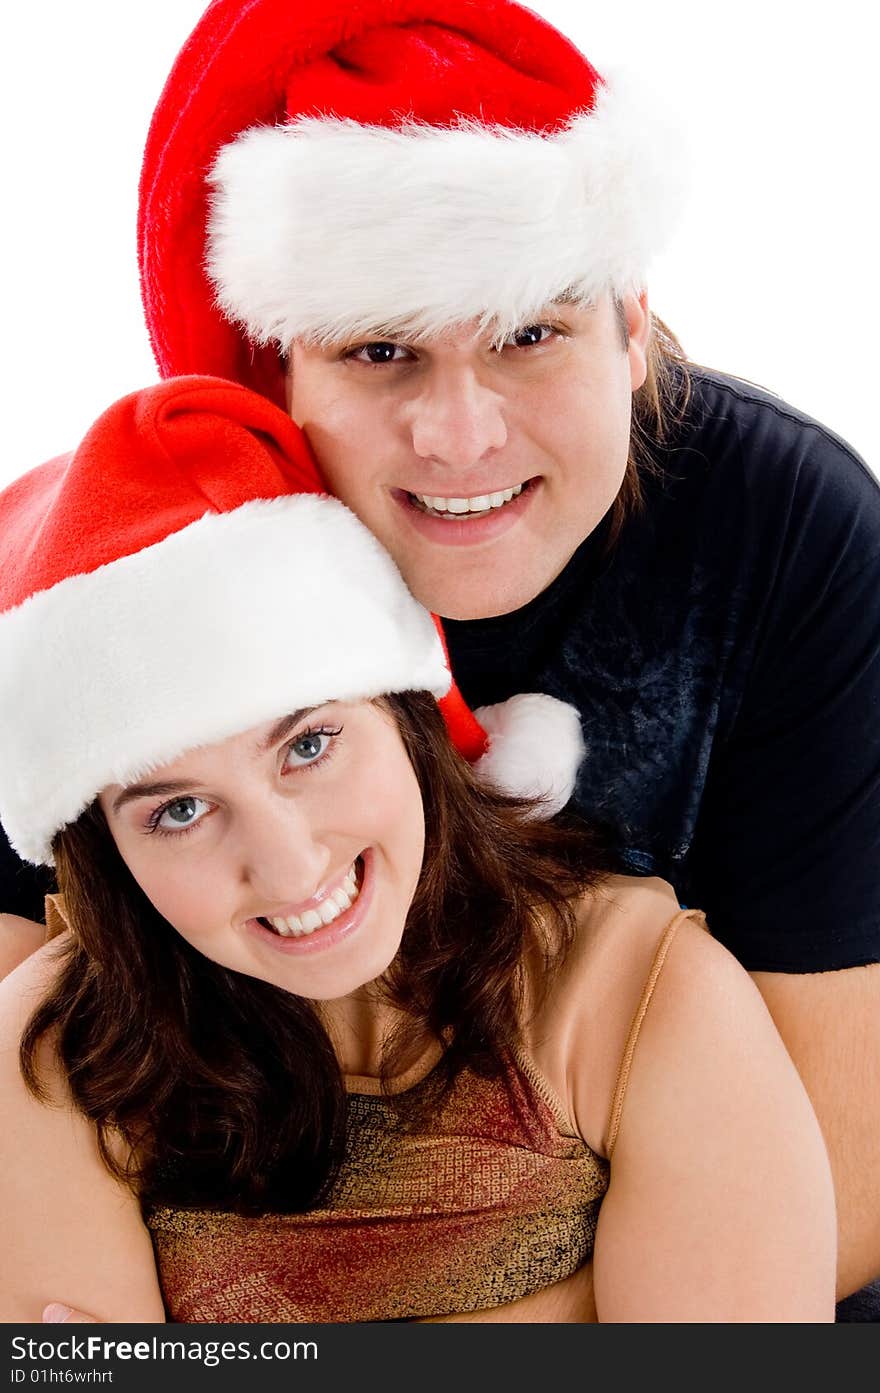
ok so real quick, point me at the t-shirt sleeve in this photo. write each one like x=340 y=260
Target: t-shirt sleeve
x=786 y=859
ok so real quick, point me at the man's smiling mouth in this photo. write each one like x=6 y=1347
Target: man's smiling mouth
x=462 y=508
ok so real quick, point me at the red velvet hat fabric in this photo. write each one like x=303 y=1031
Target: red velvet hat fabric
x=153 y=463
x=148 y=583
x=377 y=62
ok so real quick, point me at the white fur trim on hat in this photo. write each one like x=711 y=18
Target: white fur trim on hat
x=236 y=619
x=328 y=230
x=535 y=749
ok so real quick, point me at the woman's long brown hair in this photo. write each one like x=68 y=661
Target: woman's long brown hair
x=225 y=1091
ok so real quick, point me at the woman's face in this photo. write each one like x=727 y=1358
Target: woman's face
x=290 y=853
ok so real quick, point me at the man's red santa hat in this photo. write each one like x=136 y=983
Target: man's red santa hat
x=183 y=576
x=338 y=171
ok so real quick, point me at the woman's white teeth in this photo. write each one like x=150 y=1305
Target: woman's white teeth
x=340 y=899
x=454 y=507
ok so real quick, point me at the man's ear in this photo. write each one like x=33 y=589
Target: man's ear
x=638 y=324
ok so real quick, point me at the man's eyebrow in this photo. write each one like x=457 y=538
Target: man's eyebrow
x=571 y=296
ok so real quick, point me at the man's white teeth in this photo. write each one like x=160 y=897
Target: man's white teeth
x=340 y=899
x=454 y=507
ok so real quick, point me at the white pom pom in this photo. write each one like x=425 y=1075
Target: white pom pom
x=535 y=749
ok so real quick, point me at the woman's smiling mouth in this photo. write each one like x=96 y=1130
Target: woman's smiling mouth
x=332 y=918
x=330 y=908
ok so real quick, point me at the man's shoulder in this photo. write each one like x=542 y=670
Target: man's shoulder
x=768 y=471
x=731 y=417
x=727 y=393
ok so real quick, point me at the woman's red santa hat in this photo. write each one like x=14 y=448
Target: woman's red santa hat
x=333 y=172
x=183 y=576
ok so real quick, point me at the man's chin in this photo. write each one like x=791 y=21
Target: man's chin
x=489 y=602
x=488 y=591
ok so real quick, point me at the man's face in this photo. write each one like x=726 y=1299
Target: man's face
x=481 y=470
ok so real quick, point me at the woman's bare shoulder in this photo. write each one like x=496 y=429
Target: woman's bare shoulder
x=19 y=938
x=677 y=1006
x=582 y=1030
x=711 y=1121
x=666 y=1045
x=23 y=988
x=619 y=926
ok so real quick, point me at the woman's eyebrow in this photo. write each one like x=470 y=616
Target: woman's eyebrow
x=145 y=790
x=158 y=790
x=282 y=728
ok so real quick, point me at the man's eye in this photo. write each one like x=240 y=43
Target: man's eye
x=528 y=336
x=379 y=352
x=179 y=815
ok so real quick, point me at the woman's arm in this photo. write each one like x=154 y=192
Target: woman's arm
x=720 y=1205
x=68 y=1230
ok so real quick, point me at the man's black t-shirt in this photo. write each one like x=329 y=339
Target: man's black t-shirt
x=725 y=657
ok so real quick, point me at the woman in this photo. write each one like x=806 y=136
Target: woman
x=333 y=1028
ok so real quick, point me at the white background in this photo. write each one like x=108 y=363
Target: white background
x=773 y=273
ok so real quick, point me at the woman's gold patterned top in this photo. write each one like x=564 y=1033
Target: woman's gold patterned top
x=491 y=1198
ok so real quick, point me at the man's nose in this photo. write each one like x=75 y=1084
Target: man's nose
x=284 y=859
x=457 y=420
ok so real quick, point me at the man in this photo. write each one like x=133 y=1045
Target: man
x=425 y=228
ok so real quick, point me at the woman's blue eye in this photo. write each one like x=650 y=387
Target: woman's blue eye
x=180 y=814
x=309 y=747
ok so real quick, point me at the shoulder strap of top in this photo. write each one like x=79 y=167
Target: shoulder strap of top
x=632 y=1039
x=56 y=916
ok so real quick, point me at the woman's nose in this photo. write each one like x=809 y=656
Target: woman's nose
x=284 y=858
